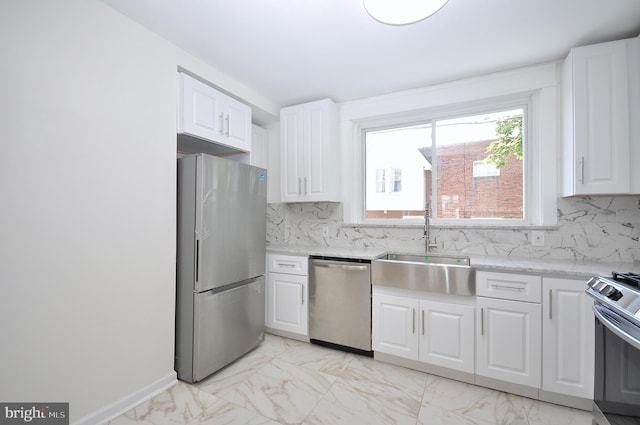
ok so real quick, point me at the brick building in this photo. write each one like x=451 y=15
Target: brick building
x=465 y=196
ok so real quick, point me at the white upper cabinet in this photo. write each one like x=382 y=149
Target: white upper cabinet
x=310 y=161
x=213 y=116
x=599 y=92
x=259 y=146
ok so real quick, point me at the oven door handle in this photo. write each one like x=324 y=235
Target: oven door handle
x=625 y=336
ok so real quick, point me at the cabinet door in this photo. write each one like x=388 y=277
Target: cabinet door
x=259 y=146
x=310 y=156
x=395 y=327
x=199 y=109
x=568 y=338
x=508 y=341
x=316 y=146
x=287 y=303
x=291 y=133
x=601 y=118
x=447 y=335
x=237 y=124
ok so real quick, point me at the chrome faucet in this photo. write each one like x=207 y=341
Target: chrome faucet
x=427 y=242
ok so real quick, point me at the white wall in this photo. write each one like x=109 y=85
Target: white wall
x=87 y=193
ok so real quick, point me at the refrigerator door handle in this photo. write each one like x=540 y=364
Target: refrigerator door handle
x=197 y=260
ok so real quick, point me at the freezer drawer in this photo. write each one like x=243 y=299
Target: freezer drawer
x=340 y=303
x=227 y=325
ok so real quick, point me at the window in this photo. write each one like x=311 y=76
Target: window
x=469 y=167
x=485 y=169
x=396 y=178
x=398 y=151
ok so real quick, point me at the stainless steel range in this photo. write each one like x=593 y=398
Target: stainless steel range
x=616 y=398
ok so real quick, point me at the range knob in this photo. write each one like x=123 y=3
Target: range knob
x=607 y=290
x=616 y=295
x=611 y=292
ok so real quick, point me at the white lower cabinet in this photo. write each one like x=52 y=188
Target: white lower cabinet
x=568 y=338
x=508 y=341
x=432 y=332
x=447 y=335
x=394 y=325
x=287 y=310
x=287 y=294
x=523 y=333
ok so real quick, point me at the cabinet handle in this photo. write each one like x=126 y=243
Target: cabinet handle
x=482 y=321
x=305 y=186
x=422 y=322
x=221 y=123
x=228 y=125
x=302 y=295
x=299 y=186
x=512 y=288
x=550 y=304
x=414 y=320
x=582 y=170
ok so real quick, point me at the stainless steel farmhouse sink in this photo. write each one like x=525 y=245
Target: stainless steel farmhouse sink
x=433 y=273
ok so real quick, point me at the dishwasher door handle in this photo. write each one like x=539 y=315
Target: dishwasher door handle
x=342 y=267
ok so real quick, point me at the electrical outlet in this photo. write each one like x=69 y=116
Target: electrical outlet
x=325 y=231
x=537 y=238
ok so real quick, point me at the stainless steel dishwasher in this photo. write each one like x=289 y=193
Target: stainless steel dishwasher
x=340 y=303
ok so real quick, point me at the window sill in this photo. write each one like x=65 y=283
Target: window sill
x=451 y=226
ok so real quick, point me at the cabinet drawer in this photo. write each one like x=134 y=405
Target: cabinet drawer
x=509 y=286
x=288 y=264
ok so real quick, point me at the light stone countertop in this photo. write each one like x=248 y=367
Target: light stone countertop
x=547 y=267
x=320 y=251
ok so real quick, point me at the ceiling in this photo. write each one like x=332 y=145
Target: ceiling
x=294 y=51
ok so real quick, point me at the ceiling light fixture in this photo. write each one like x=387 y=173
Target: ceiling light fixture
x=402 y=12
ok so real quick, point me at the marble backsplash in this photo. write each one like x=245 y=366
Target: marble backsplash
x=594 y=229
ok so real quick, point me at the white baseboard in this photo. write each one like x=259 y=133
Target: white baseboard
x=109 y=412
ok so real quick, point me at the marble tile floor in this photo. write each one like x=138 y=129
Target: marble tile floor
x=290 y=382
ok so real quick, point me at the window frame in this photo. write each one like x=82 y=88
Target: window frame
x=431 y=118
x=539 y=82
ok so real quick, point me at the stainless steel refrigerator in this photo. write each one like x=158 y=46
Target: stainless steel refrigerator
x=220 y=263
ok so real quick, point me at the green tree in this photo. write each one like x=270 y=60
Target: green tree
x=509 y=132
